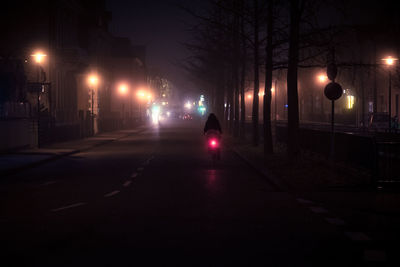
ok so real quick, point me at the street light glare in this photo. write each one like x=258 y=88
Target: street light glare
x=389 y=60
x=322 y=78
x=123 y=89
x=93 y=79
x=249 y=96
x=39 y=56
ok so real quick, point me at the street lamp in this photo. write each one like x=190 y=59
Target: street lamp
x=321 y=79
x=390 y=61
x=123 y=90
x=93 y=81
x=143 y=95
x=38 y=58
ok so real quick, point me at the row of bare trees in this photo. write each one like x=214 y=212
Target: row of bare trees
x=237 y=40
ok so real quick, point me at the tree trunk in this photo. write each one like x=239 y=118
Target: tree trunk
x=268 y=146
x=242 y=78
x=235 y=72
x=256 y=76
x=293 y=105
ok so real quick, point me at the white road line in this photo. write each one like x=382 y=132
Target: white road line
x=134 y=175
x=335 y=221
x=69 y=206
x=127 y=183
x=357 y=236
x=318 y=210
x=374 y=255
x=140 y=169
x=304 y=201
x=113 y=193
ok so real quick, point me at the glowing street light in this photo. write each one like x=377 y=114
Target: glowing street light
x=389 y=61
x=188 y=105
x=39 y=57
x=249 y=96
x=142 y=96
x=322 y=78
x=123 y=89
x=93 y=81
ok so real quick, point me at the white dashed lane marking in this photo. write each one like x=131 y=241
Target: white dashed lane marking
x=134 y=175
x=113 y=193
x=69 y=206
x=357 y=236
x=318 y=210
x=140 y=169
x=335 y=221
x=127 y=183
x=374 y=255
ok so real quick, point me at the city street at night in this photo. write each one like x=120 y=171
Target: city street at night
x=200 y=133
x=155 y=198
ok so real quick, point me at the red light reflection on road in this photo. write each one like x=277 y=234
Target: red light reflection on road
x=211 y=180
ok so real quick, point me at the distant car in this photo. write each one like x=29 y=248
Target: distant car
x=187 y=117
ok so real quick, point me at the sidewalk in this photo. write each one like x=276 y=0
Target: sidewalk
x=28 y=158
x=342 y=191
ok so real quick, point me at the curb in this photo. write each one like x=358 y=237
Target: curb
x=15 y=170
x=272 y=179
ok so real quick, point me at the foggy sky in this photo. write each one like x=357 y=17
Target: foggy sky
x=159 y=25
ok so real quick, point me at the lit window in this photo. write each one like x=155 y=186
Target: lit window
x=350 y=102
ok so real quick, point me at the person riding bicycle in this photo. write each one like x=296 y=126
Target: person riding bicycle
x=212 y=124
x=212 y=129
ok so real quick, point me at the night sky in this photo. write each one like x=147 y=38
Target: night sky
x=158 y=24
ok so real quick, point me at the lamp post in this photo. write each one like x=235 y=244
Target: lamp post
x=321 y=79
x=390 y=61
x=93 y=82
x=276 y=103
x=38 y=58
x=143 y=95
x=123 y=90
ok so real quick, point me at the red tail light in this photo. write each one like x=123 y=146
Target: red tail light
x=213 y=143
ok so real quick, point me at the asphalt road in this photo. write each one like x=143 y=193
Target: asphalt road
x=155 y=199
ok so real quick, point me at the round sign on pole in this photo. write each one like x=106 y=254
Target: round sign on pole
x=333 y=91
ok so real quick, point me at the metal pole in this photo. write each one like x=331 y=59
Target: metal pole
x=92 y=111
x=276 y=91
x=38 y=108
x=390 y=101
x=333 y=130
